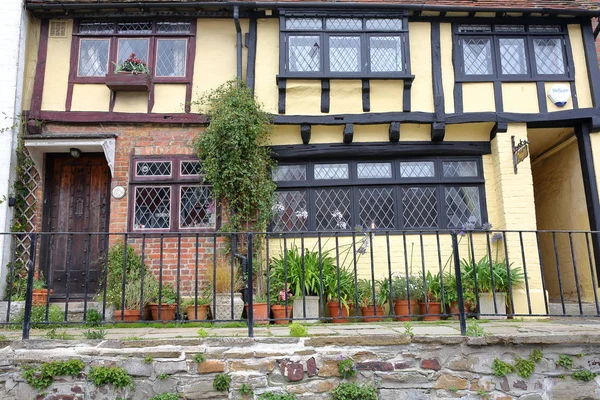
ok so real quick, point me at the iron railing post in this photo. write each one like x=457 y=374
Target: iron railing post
x=250 y=286
x=459 y=287
x=29 y=293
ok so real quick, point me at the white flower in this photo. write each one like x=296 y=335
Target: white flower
x=302 y=214
x=278 y=207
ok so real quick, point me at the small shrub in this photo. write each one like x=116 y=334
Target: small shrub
x=583 y=375
x=246 y=390
x=93 y=318
x=453 y=389
x=501 y=368
x=474 y=329
x=38 y=316
x=536 y=355
x=222 y=382
x=202 y=333
x=53 y=334
x=148 y=359
x=95 y=334
x=524 y=367
x=565 y=361
x=482 y=393
x=115 y=376
x=277 y=396
x=42 y=377
x=199 y=358
x=408 y=330
x=166 y=396
x=346 y=368
x=354 y=391
x=162 y=377
x=297 y=330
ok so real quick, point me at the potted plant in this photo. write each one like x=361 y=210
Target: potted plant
x=40 y=291
x=402 y=289
x=197 y=302
x=221 y=279
x=281 y=304
x=451 y=294
x=373 y=311
x=130 y=310
x=162 y=299
x=260 y=312
x=431 y=306
x=338 y=289
x=131 y=75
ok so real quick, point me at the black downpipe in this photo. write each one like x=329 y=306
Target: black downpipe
x=238 y=43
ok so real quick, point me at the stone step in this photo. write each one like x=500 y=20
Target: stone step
x=572 y=308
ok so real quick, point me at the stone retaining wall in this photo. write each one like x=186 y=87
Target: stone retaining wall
x=400 y=367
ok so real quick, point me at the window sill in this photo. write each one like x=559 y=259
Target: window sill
x=345 y=76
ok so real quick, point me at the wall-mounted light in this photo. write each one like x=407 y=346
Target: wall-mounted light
x=75 y=153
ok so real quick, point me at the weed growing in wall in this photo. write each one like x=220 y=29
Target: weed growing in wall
x=114 y=376
x=222 y=382
x=354 y=391
x=42 y=377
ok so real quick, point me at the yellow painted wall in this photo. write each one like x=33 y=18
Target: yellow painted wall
x=57 y=72
x=169 y=98
x=446 y=43
x=386 y=96
x=478 y=97
x=32 y=45
x=303 y=97
x=558 y=185
x=420 y=61
x=131 y=102
x=520 y=97
x=267 y=51
x=582 y=83
x=94 y=98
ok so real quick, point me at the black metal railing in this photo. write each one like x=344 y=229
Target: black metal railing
x=263 y=278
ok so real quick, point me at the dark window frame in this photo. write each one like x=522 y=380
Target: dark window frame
x=528 y=36
x=324 y=34
x=153 y=39
x=175 y=182
x=396 y=182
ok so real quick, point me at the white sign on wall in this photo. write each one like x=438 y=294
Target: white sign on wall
x=559 y=95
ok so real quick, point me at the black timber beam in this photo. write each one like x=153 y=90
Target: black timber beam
x=305 y=132
x=395 y=132
x=498 y=127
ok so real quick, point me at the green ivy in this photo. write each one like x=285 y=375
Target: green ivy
x=565 y=361
x=501 y=368
x=115 y=376
x=222 y=382
x=524 y=367
x=354 y=391
x=42 y=377
x=583 y=375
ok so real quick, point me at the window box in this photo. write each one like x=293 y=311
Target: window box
x=127 y=82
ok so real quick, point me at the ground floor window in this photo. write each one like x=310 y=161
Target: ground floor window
x=169 y=194
x=408 y=193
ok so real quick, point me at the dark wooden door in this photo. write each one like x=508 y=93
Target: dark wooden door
x=76 y=200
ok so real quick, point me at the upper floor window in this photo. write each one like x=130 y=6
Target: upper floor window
x=511 y=52
x=323 y=46
x=163 y=45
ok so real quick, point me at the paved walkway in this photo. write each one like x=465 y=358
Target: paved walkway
x=571 y=326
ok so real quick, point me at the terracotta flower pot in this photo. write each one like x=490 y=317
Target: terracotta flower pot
x=435 y=308
x=167 y=312
x=368 y=312
x=202 y=312
x=279 y=314
x=338 y=316
x=453 y=309
x=260 y=313
x=128 y=315
x=40 y=297
x=402 y=311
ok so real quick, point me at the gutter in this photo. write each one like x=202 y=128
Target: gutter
x=238 y=43
x=305 y=4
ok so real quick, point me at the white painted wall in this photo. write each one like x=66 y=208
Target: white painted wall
x=13 y=27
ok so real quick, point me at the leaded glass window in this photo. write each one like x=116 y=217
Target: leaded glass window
x=93 y=57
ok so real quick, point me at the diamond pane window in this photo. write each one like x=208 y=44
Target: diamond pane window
x=474 y=28
x=139 y=47
x=197 y=208
x=153 y=168
x=384 y=24
x=509 y=28
x=304 y=54
x=331 y=171
x=385 y=53
x=191 y=168
x=417 y=169
x=545 y=28
x=304 y=23
x=291 y=211
x=549 y=58
x=460 y=169
x=344 y=24
x=344 y=54
x=135 y=28
x=94 y=27
x=512 y=56
x=171 y=57
x=289 y=173
x=93 y=57
x=173 y=27
x=477 y=56
x=333 y=209
x=152 y=207
x=419 y=207
x=374 y=170
x=376 y=208
x=462 y=206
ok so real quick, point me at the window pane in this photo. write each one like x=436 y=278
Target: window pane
x=174 y=27
x=463 y=206
x=170 y=57
x=289 y=173
x=197 y=207
x=374 y=170
x=376 y=208
x=93 y=57
x=419 y=207
x=460 y=169
x=93 y=27
x=344 y=24
x=139 y=47
x=152 y=208
x=137 y=28
x=333 y=209
x=513 y=58
x=304 y=54
x=290 y=211
x=417 y=169
x=386 y=24
x=549 y=56
x=385 y=53
x=344 y=54
x=477 y=56
x=153 y=168
x=331 y=171
x=192 y=168
x=545 y=28
x=303 y=23
x=474 y=28
x=510 y=28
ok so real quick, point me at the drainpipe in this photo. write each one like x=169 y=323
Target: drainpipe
x=238 y=44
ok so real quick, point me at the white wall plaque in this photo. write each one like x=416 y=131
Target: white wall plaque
x=118 y=192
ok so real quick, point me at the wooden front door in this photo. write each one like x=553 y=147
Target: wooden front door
x=76 y=200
